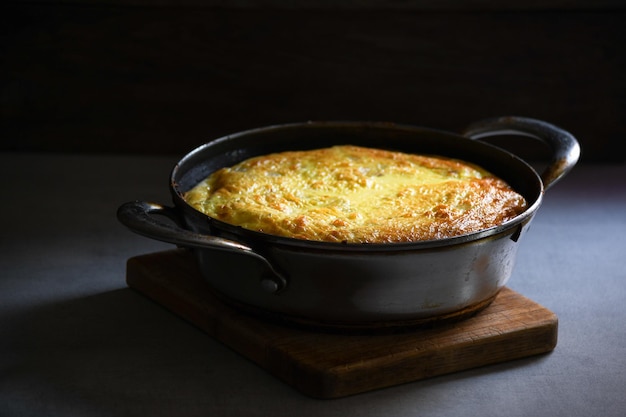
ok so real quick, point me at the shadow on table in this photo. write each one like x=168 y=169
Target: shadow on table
x=119 y=353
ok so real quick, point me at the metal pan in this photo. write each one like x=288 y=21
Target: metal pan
x=356 y=285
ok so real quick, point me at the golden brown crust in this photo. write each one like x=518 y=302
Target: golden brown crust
x=356 y=195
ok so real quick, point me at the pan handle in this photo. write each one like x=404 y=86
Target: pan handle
x=565 y=147
x=141 y=218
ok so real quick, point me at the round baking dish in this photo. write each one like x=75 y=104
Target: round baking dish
x=356 y=285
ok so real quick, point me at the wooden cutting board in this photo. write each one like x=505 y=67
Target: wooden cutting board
x=331 y=364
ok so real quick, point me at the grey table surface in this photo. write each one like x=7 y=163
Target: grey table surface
x=76 y=341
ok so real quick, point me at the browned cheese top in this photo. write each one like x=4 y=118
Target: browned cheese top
x=356 y=195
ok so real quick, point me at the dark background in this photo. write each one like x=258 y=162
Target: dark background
x=165 y=76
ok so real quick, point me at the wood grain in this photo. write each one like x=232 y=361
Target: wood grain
x=333 y=364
